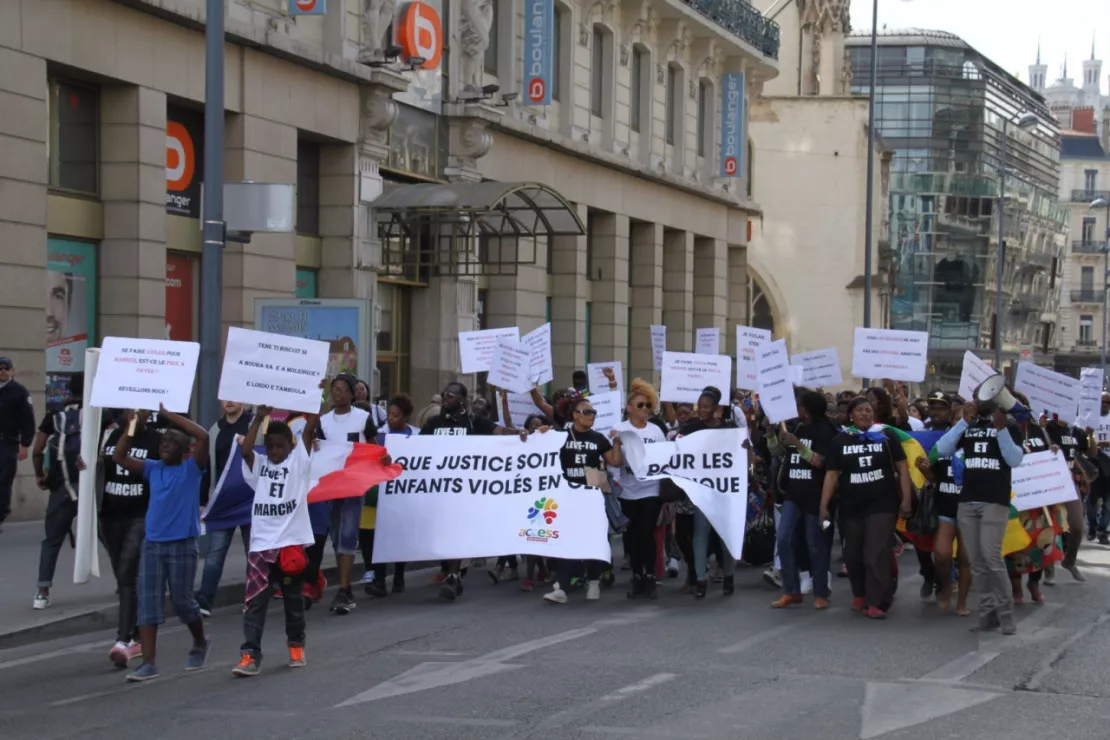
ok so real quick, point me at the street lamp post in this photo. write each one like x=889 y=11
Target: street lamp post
x=869 y=218
x=1104 y=203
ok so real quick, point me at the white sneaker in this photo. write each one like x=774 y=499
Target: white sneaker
x=367 y=578
x=772 y=577
x=1050 y=575
x=593 y=591
x=557 y=595
x=807 y=583
x=118 y=654
x=672 y=568
x=41 y=602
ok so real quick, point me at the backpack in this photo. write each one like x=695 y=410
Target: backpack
x=63 y=449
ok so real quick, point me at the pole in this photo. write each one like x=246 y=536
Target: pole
x=999 y=269
x=1105 y=281
x=212 y=262
x=869 y=218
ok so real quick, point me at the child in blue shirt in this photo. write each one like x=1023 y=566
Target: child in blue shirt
x=172 y=526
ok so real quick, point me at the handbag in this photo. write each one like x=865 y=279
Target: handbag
x=759 y=540
x=924 y=519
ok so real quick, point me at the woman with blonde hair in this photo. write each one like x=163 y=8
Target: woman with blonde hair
x=640 y=498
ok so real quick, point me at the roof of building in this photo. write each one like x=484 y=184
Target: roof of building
x=895 y=36
x=1079 y=145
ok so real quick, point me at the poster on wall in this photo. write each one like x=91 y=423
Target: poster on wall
x=70 y=304
x=184 y=161
x=344 y=323
x=180 y=297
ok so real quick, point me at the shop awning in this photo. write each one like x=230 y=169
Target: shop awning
x=492 y=209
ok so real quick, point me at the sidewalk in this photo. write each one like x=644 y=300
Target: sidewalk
x=86 y=607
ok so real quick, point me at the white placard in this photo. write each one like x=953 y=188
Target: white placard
x=686 y=374
x=748 y=340
x=1048 y=390
x=890 y=354
x=820 y=368
x=974 y=372
x=1042 y=479
x=512 y=363
x=1090 y=396
x=776 y=388
x=510 y=497
x=707 y=341
x=658 y=345
x=476 y=348
x=608 y=406
x=273 y=369
x=539 y=344
x=521 y=406
x=598 y=383
x=145 y=373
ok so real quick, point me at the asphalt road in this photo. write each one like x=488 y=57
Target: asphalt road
x=499 y=664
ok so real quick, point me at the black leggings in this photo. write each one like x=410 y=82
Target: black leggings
x=684 y=536
x=639 y=537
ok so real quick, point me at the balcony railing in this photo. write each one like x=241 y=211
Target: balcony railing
x=1086 y=246
x=1085 y=343
x=1086 y=295
x=738 y=17
x=1089 y=196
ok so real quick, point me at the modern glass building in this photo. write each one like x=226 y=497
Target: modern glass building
x=941 y=107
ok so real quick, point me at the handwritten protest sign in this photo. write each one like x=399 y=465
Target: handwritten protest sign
x=776 y=386
x=608 y=406
x=145 y=373
x=476 y=348
x=1047 y=390
x=521 y=406
x=890 y=353
x=273 y=369
x=820 y=368
x=748 y=340
x=1090 y=396
x=687 y=374
x=658 y=345
x=707 y=341
x=972 y=375
x=539 y=344
x=1042 y=479
x=511 y=366
x=598 y=383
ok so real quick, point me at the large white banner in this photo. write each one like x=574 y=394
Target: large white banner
x=1090 y=396
x=145 y=374
x=1048 y=390
x=820 y=368
x=707 y=341
x=687 y=374
x=511 y=367
x=776 y=386
x=539 y=344
x=658 y=345
x=890 y=353
x=972 y=375
x=711 y=466
x=273 y=369
x=476 y=348
x=1042 y=479
x=467 y=497
x=748 y=340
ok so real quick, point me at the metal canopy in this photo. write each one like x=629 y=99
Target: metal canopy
x=459 y=229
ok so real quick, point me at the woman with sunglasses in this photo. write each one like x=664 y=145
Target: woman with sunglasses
x=640 y=498
x=584 y=457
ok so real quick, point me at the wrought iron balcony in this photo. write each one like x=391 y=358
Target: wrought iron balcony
x=1085 y=343
x=1086 y=246
x=1089 y=196
x=738 y=17
x=1086 y=295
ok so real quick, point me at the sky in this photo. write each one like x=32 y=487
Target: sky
x=1007 y=31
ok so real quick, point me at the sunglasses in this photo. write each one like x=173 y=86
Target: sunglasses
x=587 y=412
x=644 y=405
x=448 y=394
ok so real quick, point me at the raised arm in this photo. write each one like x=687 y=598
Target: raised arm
x=194 y=430
x=506 y=415
x=542 y=404
x=121 y=456
x=308 y=436
x=247 y=446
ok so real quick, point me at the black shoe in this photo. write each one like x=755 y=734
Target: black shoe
x=376 y=590
x=1090 y=535
x=651 y=589
x=926 y=590
x=1104 y=539
x=398 y=586
x=729 y=587
x=636 y=588
x=343 y=602
x=450 y=588
x=700 y=588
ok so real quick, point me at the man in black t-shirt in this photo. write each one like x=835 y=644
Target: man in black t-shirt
x=1072 y=441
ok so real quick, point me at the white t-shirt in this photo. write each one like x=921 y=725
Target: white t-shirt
x=916 y=424
x=279 y=514
x=349 y=427
x=631 y=487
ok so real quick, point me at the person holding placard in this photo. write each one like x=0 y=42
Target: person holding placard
x=1072 y=441
x=172 y=527
x=866 y=468
x=1098 y=502
x=991 y=450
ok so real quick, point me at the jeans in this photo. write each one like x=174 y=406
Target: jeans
x=60 y=512
x=172 y=564
x=639 y=537
x=254 y=619
x=816 y=545
x=982 y=527
x=1098 y=510
x=702 y=530
x=9 y=461
x=123 y=539
x=868 y=543
x=1075 y=532
x=219 y=542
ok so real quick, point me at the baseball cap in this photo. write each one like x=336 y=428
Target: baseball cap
x=939 y=397
x=6 y=361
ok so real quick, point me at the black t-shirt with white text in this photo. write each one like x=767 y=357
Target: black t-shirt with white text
x=986 y=474
x=803 y=482
x=463 y=425
x=1071 y=440
x=127 y=494
x=948 y=491
x=583 y=450
x=867 y=481
x=1036 y=440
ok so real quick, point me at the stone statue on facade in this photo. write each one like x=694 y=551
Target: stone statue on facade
x=816 y=61
x=377 y=15
x=475 y=22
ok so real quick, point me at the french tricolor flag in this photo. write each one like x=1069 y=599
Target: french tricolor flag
x=348 y=469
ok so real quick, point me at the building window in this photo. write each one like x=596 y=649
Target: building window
x=1087 y=279
x=308 y=187
x=491 y=50
x=1090 y=180
x=72 y=145
x=560 y=53
x=1088 y=233
x=636 y=85
x=674 y=102
x=1086 y=329
x=705 y=115
x=597 y=73
x=393 y=338
x=590 y=225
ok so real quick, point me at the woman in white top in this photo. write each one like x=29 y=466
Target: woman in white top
x=640 y=498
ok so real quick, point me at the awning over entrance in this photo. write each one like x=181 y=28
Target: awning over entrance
x=468 y=228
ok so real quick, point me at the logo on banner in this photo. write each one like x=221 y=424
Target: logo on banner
x=544 y=510
x=181 y=157
x=539 y=51
x=308 y=7
x=421 y=35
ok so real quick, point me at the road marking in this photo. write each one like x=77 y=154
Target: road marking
x=643 y=732
x=639 y=687
x=83 y=697
x=465 y=721
x=961 y=667
x=759 y=637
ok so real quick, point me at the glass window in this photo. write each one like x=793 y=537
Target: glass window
x=1088 y=233
x=1090 y=180
x=560 y=53
x=705 y=114
x=72 y=146
x=1087 y=279
x=1086 y=329
x=636 y=85
x=308 y=187
x=597 y=73
x=673 y=104
x=491 y=50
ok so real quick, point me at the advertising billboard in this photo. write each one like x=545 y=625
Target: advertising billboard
x=344 y=323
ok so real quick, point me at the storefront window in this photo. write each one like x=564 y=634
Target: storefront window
x=393 y=333
x=181 y=297
x=70 y=313
x=72 y=145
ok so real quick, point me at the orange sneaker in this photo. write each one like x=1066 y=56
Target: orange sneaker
x=247 y=667
x=296 y=657
x=820 y=604
x=787 y=600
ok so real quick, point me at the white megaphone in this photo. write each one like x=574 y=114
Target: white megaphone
x=994 y=390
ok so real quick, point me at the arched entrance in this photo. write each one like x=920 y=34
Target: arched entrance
x=760 y=313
